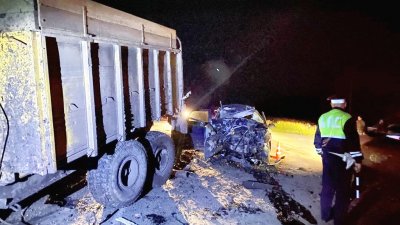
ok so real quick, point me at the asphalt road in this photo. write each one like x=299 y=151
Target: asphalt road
x=380 y=179
x=379 y=202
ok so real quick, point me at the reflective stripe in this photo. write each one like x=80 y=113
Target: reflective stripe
x=337 y=101
x=338 y=137
x=355 y=154
x=357 y=186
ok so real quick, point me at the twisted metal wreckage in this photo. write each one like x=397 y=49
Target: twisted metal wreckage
x=238 y=132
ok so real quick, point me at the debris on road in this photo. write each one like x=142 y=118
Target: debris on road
x=249 y=184
x=125 y=221
x=289 y=211
x=156 y=219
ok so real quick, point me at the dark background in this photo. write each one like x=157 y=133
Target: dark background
x=285 y=57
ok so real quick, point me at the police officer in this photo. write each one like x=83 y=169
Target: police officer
x=336 y=134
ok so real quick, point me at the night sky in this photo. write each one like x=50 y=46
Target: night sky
x=285 y=57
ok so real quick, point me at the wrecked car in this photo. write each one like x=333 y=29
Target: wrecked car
x=238 y=132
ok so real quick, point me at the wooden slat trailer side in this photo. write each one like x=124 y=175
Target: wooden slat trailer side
x=76 y=77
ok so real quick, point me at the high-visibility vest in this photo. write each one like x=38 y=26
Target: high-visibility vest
x=331 y=124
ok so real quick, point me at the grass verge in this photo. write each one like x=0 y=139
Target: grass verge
x=293 y=126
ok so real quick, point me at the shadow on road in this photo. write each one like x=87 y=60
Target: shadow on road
x=57 y=193
x=379 y=202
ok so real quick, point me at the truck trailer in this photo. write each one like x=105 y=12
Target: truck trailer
x=80 y=81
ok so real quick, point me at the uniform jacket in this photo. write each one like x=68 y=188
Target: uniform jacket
x=336 y=132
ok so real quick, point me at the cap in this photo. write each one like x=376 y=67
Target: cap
x=336 y=99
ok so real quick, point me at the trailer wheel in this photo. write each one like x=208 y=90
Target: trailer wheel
x=163 y=156
x=180 y=143
x=119 y=179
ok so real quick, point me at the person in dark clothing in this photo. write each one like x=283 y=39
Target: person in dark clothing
x=360 y=126
x=336 y=134
x=381 y=127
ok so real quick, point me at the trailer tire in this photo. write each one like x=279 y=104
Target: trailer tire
x=119 y=179
x=180 y=142
x=162 y=158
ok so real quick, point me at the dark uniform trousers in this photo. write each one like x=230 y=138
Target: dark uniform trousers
x=336 y=182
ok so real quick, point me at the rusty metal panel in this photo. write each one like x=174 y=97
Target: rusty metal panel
x=103 y=29
x=73 y=88
x=98 y=28
x=44 y=102
x=102 y=22
x=155 y=34
x=17 y=15
x=119 y=92
x=75 y=17
x=19 y=96
x=136 y=87
x=52 y=18
x=71 y=84
x=108 y=91
x=154 y=85
x=179 y=79
x=73 y=108
x=91 y=151
x=168 y=83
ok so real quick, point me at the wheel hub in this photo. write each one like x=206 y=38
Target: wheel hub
x=161 y=158
x=128 y=173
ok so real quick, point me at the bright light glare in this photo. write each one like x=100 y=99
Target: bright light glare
x=186 y=113
x=167 y=126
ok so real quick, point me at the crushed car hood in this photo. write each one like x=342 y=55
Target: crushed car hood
x=236 y=111
x=238 y=137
